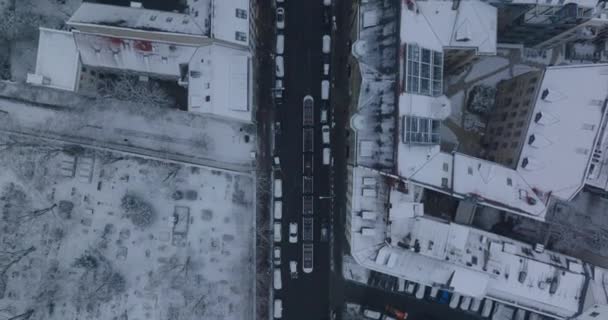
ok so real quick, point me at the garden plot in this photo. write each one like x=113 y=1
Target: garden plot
x=98 y=235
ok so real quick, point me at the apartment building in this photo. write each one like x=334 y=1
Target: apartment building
x=204 y=47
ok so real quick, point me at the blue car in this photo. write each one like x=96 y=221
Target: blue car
x=444 y=297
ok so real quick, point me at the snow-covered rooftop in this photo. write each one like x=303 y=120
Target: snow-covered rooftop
x=57 y=61
x=157 y=58
x=228 y=26
x=462 y=259
x=489 y=183
x=219 y=82
x=138 y=18
x=562 y=133
x=434 y=25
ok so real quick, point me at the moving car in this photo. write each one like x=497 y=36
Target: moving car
x=277 y=256
x=293 y=232
x=280 y=18
x=293 y=269
x=326 y=48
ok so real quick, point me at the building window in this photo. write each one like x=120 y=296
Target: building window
x=507 y=101
x=492 y=130
x=504 y=145
x=508 y=134
x=515 y=106
x=523 y=113
x=533 y=80
x=494 y=145
x=510 y=125
x=509 y=182
x=424 y=71
x=421 y=130
x=530 y=90
x=207 y=98
x=470 y=171
x=514 y=145
x=510 y=161
x=517 y=133
x=240 y=36
x=240 y=13
x=513 y=114
x=527 y=103
x=445 y=167
x=520 y=124
x=504 y=116
x=444 y=182
x=499 y=130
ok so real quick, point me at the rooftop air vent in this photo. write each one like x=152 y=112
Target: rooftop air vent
x=524 y=163
x=531 y=139
x=537 y=117
x=544 y=94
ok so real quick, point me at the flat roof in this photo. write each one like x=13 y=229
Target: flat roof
x=57 y=59
x=219 y=82
x=225 y=24
x=562 y=133
x=434 y=25
x=138 y=18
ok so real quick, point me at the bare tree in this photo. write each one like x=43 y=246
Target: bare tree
x=9 y=258
x=132 y=89
x=19 y=24
x=139 y=211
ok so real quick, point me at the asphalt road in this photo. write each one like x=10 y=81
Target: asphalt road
x=307 y=296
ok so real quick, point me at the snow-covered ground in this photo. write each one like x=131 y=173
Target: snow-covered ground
x=457 y=104
x=163 y=132
x=89 y=234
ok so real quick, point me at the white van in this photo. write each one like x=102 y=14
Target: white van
x=280 y=44
x=277 y=232
x=278 y=209
x=326 y=44
x=280 y=71
x=278 y=308
x=325 y=90
x=278 y=188
x=326 y=156
x=278 y=285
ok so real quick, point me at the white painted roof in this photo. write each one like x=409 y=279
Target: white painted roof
x=136 y=18
x=58 y=60
x=225 y=24
x=219 y=82
x=436 y=26
x=570 y=122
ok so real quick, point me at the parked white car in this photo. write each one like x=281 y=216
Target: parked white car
x=325 y=134
x=421 y=291
x=326 y=44
x=280 y=18
x=465 y=303
x=277 y=232
x=280 y=44
x=293 y=232
x=455 y=300
x=325 y=90
x=277 y=283
x=278 y=307
x=278 y=209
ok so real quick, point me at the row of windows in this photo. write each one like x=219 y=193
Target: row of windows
x=424 y=71
x=241 y=13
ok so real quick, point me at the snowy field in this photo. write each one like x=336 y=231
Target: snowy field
x=152 y=130
x=89 y=234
